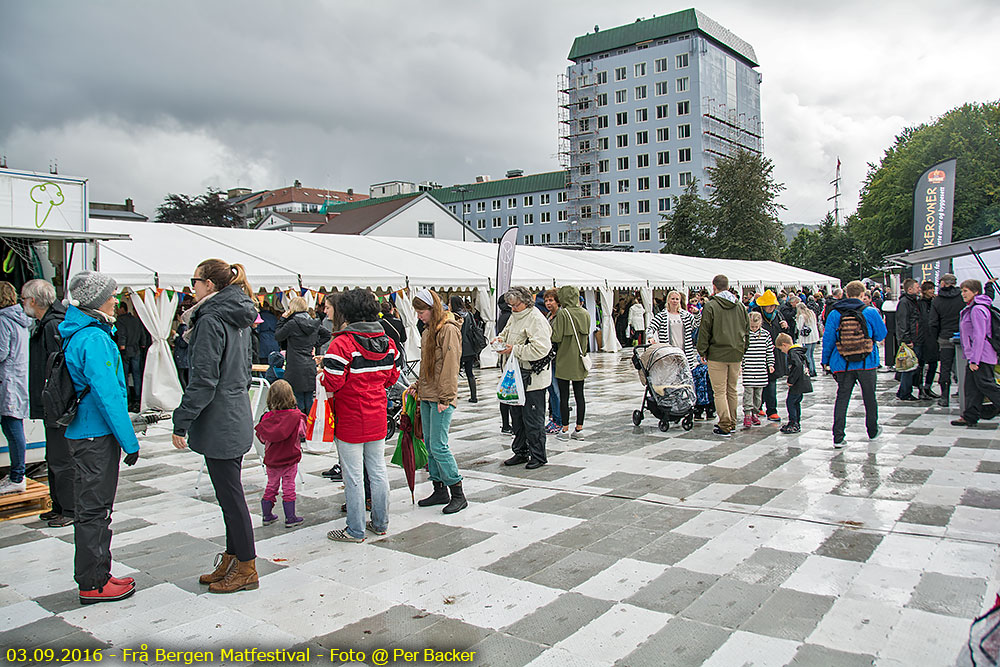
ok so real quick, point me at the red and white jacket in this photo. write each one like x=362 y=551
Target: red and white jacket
x=357 y=369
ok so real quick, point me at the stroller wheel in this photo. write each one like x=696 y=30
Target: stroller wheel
x=687 y=422
x=637 y=417
x=664 y=425
x=390 y=428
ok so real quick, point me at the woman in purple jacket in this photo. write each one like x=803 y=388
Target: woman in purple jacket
x=974 y=328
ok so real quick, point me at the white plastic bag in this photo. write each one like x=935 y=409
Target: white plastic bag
x=319 y=425
x=510 y=389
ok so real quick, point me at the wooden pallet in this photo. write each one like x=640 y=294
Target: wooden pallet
x=34 y=500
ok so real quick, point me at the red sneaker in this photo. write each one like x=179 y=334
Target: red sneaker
x=109 y=592
x=124 y=581
x=755 y=420
x=774 y=418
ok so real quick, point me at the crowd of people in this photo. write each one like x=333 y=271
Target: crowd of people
x=355 y=351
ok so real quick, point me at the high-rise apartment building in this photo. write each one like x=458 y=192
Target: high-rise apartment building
x=644 y=109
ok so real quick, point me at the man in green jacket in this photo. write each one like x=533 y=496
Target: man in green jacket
x=722 y=341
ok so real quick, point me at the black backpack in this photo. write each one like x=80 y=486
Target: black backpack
x=994 y=335
x=854 y=341
x=476 y=335
x=60 y=401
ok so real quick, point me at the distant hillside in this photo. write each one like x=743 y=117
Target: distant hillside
x=792 y=228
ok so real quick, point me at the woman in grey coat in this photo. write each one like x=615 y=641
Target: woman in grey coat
x=215 y=412
x=301 y=335
x=13 y=384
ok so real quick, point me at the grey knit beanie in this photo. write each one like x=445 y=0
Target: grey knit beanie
x=90 y=289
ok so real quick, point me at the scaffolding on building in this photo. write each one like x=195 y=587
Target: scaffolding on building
x=725 y=131
x=579 y=150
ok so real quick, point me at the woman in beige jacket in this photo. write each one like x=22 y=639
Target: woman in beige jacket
x=437 y=389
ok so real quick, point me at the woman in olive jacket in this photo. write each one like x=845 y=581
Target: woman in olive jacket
x=571 y=332
x=301 y=334
x=215 y=412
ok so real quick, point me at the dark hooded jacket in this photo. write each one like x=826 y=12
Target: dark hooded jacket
x=301 y=334
x=724 y=332
x=43 y=342
x=265 y=335
x=358 y=368
x=945 y=309
x=571 y=332
x=772 y=324
x=908 y=329
x=215 y=411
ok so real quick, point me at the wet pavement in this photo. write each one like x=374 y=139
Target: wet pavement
x=631 y=547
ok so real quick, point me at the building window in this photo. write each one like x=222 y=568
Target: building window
x=624 y=234
x=620 y=74
x=496 y=204
x=481 y=223
x=662 y=111
x=584 y=146
x=529 y=239
x=643 y=230
x=684 y=178
x=605 y=235
x=684 y=155
x=663 y=204
x=512 y=202
x=681 y=85
x=681 y=60
x=621 y=141
x=512 y=221
x=480 y=207
x=623 y=185
x=621 y=118
x=603 y=166
x=425 y=230
x=561 y=216
x=604 y=188
x=623 y=208
x=642 y=183
x=587 y=237
x=602 y=99
x=529 y=200
x=546 y=238
x=585 y=190
x=544 y=200
x=466 y=208
x=641 y=138
x=497 y=240
x=663 y=181
x=683 y=108
x=602 y=122
x=604 y=210
x=529 y=218
x=453 y=209
x=621 y=96
x=562 y=237
x=602 y=143
x=640 y=92
x=623 y=163
x=562 y=196
x=663 y=134
x=642 y=160
x=684 y=131
x=662 y=157
x=641 y=115
x=497 y=222
x=602 y=78
x=584 y=125
x=660 y=65
x=585 y=104
x=585 y=168
x=545 y=216
x=642 y=206
x=640 y=69
x=582 y=80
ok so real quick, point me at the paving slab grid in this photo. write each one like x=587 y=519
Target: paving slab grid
x=631 y=547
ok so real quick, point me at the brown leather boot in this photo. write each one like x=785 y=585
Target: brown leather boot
x=243 y=577
x=223 y=563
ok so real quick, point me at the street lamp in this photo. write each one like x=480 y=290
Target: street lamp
x=463 y=190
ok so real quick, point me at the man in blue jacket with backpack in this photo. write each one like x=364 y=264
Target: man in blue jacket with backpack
x=850 y=349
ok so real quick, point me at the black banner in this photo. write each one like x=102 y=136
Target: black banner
x=933 y=205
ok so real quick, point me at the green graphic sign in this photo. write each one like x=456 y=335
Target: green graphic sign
x=46 y=196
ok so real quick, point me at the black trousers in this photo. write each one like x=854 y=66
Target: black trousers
x=528 y=422
x=62 y=473
x=467 y=363
x=581 y=403
x=845 y=387
x=226 y=478
x=505 y=415
x=946 y=353
x=771 y=398
x=979 y=384
x=96 y=462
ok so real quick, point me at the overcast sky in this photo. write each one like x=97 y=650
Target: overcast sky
x=146 y=98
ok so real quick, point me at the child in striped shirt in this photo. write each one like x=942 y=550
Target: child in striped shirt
x=758 y=362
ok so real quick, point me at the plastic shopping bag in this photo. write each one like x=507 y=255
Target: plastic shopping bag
x=906 y=359
x=319 y=423
x=510 y=389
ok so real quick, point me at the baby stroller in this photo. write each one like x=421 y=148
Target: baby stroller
x=394 y=397
x=669 y=394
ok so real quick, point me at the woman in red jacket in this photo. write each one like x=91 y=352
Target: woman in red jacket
x=357 y=369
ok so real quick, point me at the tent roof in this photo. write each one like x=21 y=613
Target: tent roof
x=946 y=251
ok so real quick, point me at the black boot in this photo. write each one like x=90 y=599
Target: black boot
x=439 y=497
x=929 y=391
x=458 y=501
x=945 y=394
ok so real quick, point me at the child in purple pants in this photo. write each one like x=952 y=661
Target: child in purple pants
x=280 y=429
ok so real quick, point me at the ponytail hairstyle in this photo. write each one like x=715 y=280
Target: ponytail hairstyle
x=437 y=320
x=297 y=305
x=223 y=275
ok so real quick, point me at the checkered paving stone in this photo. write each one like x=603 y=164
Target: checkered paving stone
x=631 y=547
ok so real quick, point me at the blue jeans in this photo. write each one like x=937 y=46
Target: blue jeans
x=793 y=403
x=133 y=368
x=356 y=459
x=440 y=461
x=809 y=347
x=554 y=406
x=13 y=430
x=304 y=399
x=906 y=384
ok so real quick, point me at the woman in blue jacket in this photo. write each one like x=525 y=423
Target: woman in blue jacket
x=99 y=432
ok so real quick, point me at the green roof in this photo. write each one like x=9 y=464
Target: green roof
x=506 y=187
x=657 y=28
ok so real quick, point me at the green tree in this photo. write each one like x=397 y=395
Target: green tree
x=970 y=133
x=211 y=209
x=830 y=249
x=745 y=207
x=688 y=228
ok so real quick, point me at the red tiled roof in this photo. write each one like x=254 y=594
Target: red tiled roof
x=305 y=196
